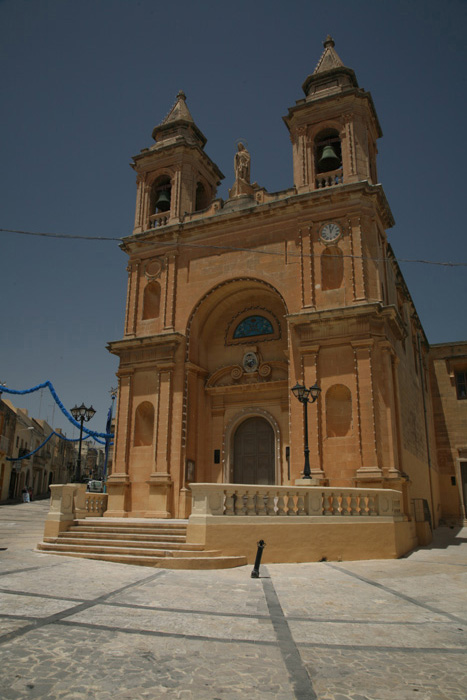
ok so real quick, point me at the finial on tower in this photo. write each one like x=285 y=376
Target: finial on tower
x=329 y=41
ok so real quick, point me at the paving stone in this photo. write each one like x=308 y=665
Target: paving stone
x=74 y=630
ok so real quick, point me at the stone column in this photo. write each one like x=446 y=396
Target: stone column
x=301 y=159
x=170 y=285
x=358 y=266
x=307 y=265
x=369 y=470
x=393 y=428
x=119 y=481
x=160 y=480
x=138 y=228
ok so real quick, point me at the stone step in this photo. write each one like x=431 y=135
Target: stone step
x=139 y=524
x=112 y=549
x=65 y=540
x=201 y=563
x=74 y=532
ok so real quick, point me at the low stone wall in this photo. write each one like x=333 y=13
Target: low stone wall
x=300 y=524
x=69 y=502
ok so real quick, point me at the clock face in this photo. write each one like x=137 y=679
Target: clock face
x=330 y=232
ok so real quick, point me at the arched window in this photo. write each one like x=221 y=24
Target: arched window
x=151 y=300
x=338 y=411
x=161 y=195
x=328 y=152
x=144 y=424
x=202 y=199
x=332 y=268
x=253 y=325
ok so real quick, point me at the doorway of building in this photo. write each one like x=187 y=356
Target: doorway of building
x=254 y=460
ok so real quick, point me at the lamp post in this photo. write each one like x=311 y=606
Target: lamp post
x=306 y=396
x=81 y=414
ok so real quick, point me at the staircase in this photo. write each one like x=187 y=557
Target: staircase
x=141 y=543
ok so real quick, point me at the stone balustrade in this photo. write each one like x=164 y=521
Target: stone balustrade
x=330 y=179
x=95 y=504
x=158 y=220
x=300 y=523
x=69 y=502
x=276 y=501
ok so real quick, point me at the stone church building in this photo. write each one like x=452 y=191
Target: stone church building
x=231 y=303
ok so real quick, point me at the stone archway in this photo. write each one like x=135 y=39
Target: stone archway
x=253 y=452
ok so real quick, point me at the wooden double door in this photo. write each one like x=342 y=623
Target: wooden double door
x=254 y=456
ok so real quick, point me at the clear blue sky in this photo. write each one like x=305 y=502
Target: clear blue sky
x=83 y=83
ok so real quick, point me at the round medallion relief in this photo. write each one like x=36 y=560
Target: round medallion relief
x=153 y=269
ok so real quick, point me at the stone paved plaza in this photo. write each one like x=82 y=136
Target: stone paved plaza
x=373 y=630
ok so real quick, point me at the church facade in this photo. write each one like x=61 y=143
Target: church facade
x=232 y=303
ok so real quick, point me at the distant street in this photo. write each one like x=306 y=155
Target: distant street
x=380 y=630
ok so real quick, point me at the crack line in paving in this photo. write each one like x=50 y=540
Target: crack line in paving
x=402 y=596
x=303 y=687
x=41 y=622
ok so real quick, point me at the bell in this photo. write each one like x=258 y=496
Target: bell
x=329 y=159
x=163 y=200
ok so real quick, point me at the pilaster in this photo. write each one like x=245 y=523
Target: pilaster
x=369 y=470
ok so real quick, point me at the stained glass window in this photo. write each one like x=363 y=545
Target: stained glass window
x=253 y=325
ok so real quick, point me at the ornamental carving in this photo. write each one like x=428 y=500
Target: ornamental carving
x=153 y=268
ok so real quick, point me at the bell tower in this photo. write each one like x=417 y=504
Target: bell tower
x=174 y=176
x=334 y=128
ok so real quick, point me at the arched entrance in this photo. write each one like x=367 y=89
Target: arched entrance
x=254 y=459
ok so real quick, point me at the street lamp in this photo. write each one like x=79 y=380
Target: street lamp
x=81 y=414
x=306 y=396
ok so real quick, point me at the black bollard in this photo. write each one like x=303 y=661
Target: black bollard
x=259 y=554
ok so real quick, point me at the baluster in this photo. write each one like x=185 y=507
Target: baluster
x=290 y=504
x=270 y=509
x=328 y=503
x=229 y=503
x=249 y=508
x=260 y=504
x=372 y=504
x=238 y=503
x=363 y=509
x=335 y=504
x=280 y=504
x=300 y=504
x=345 y=504
x=353 y=504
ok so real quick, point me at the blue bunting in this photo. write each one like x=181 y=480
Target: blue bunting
x=90 y=433
x=18 y=459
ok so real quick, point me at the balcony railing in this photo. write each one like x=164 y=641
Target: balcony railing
x=330 y=179
x=158 y=220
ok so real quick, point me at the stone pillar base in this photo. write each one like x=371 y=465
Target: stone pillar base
x=160 y=485
x=184 y=503
x=118 y=486
x=369 y=477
